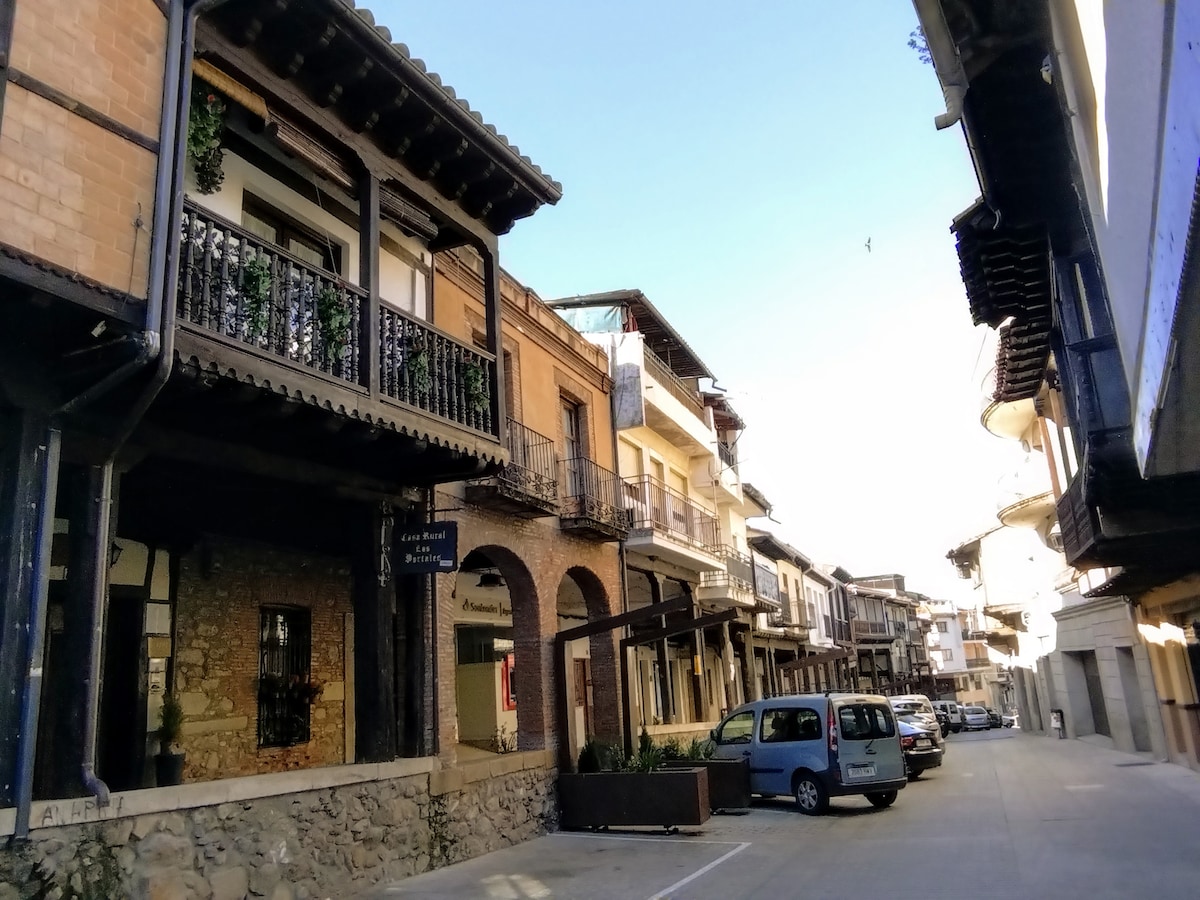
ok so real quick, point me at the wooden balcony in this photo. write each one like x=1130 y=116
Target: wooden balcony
x=591 y=504
x=527 y=485
x=866 y=632
x=251 y=311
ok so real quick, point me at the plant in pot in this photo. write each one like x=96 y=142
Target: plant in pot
x=168 y=763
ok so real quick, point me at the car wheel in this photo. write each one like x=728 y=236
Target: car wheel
x=811 y=796
x=882 y=800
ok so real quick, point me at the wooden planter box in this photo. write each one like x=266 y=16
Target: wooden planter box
x=728 y=780
x=669 y=797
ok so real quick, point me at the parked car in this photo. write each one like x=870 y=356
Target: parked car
x=943 y=718
x=975 y=718
x=921 y=751
x=953 y=711
x=994 y=718
x=817 y=746
x=919 y=705
x=1009 y=720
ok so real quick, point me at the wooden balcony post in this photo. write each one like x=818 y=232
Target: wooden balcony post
x=664 y=663
x=374 y=595
x=495 y=342
x=368 y=276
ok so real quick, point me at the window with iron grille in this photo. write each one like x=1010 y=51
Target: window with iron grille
x=285 y=689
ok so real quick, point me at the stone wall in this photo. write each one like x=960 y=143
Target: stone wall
x=222 y=586
x=332 y=842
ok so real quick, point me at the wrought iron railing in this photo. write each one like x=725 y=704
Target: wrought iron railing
x=236 y=285
x=592 y=492
x=868 y=628
x=727 y=454
x=655 y=506
x=675 y=385
x=766 y=583
x=531 y=465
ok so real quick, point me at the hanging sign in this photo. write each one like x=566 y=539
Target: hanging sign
x=426 y=548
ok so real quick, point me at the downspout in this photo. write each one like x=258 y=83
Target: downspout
x=31 y=702
x=159 y=334
x=946 y=62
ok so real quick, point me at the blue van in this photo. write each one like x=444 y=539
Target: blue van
x=817 y=746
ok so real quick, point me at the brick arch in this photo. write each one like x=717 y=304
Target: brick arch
x=603 y=649
x=531 y=669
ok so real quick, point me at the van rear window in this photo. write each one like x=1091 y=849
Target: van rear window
x=865 y=722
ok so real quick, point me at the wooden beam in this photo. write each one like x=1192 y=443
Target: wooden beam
x=368 y=275
x=680 y=628
x=375 y=712
x=642 y=614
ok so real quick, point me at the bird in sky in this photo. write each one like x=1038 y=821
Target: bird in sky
x=868 y=245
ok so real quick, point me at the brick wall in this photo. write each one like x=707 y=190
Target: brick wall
x=78 y=186
x=222 y=586
x=539 y=548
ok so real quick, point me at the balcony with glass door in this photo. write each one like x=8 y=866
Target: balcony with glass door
x=669 y=525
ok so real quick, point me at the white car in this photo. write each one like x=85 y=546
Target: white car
x=1010 y=721
x=975 y=717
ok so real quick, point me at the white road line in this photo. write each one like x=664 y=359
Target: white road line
x=664 y=894
x=649 y=840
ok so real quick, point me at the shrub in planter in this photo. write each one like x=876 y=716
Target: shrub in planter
x=168 y=763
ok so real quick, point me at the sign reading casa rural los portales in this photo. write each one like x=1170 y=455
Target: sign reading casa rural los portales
x=426 y=548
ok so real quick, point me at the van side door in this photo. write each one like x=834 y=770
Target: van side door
x=789 y=738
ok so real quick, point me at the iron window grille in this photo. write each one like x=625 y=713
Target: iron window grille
x=284 y=681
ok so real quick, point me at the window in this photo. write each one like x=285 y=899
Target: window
x=285 y=690
x=790 y=725
x=865 y=722
x=947 y=654
x=271 y=225
x=737 y=729
x=572 y=440
x=943 y=627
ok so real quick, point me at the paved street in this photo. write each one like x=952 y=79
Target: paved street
x=1008 y=815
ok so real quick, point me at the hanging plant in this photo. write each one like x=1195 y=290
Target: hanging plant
x=416 y=363
x=475 y=386
x=335 y=318
x=256 y=294
x=206 y=122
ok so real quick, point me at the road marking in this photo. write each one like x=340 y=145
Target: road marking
x=1083 y=787
x=650 y=840
x=664 y=894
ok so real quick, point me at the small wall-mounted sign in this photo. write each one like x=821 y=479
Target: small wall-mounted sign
x=426 y=548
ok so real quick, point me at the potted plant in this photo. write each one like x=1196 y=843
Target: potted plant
x=610 y=789
x=168 y=763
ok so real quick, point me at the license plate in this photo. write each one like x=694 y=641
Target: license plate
x=924 y=742
x=867 y=771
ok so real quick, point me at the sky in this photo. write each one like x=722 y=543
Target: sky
x=732 y=163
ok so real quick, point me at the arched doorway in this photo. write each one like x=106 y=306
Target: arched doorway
x=496 y=627
x=593 y=708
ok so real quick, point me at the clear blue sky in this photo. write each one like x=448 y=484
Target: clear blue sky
x=731 y=161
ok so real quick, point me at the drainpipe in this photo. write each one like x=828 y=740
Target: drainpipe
x=31 y=703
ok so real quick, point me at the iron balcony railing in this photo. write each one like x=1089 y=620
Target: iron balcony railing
x=591 y=492
x=653 y=505
x=737 y=574
x=257 y=295
x=675 y=385
x=978 y=663
x=869 y=629
x=532 y=466
x=727 y=455
x=766 y=584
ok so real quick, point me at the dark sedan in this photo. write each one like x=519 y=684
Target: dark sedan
x=995 y=720
x=921 y=751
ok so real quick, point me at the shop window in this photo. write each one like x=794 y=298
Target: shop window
x=285 y=686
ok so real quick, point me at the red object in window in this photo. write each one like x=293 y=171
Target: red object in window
x=508 y=684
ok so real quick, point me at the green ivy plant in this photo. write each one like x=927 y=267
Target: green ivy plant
x=256 y=294
x=335 y=317
x=416 y=363
x=206 y=122
x=475 y=386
